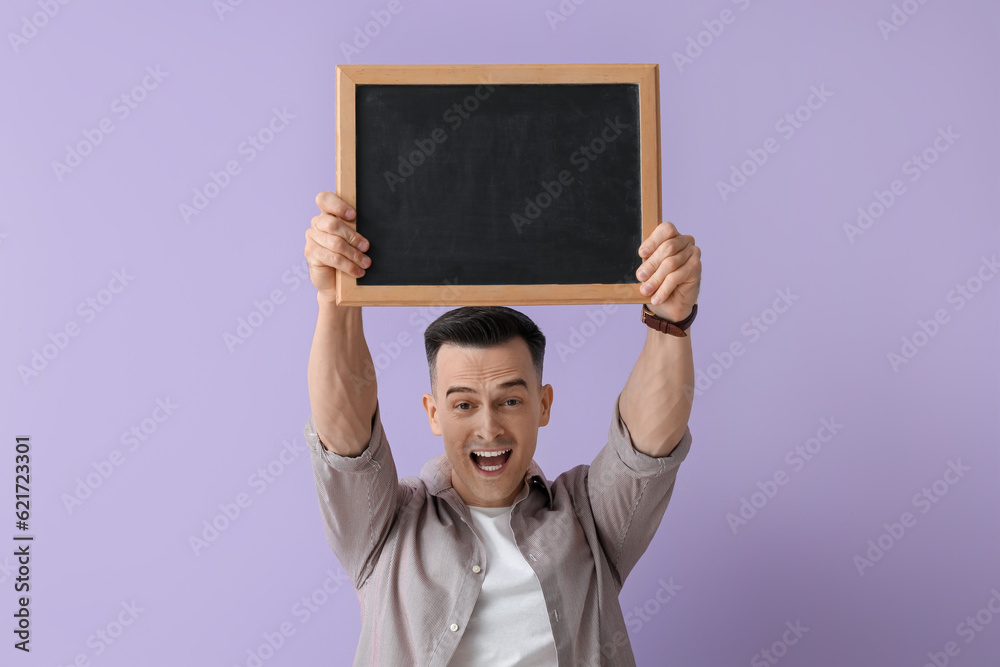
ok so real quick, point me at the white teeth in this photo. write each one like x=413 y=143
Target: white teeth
x=484 y=455
x=488 y=454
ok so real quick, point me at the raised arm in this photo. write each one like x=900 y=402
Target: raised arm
x=342 y=387
x=632 y=478
x=356 y=481
x=656 y=401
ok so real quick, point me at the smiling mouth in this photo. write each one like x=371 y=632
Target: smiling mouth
x=491 y=461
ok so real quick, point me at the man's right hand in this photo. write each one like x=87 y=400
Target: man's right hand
x=332 y=244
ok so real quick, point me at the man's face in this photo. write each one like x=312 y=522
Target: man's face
x=488 y=406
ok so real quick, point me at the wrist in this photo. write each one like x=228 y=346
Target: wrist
x=338 y=317
x=663 y=325
x=327 y=297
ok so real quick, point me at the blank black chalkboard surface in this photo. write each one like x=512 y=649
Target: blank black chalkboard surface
x=499 y=184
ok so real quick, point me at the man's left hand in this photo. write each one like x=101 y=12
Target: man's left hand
x=671 y=272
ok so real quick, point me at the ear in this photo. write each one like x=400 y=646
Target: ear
x=546 y=405
x=431 y=408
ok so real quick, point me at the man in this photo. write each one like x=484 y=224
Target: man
x=482 y=560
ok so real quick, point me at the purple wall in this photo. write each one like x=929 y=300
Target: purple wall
x=888 y=327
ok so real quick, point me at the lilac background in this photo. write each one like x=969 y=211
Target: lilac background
x=162 y=337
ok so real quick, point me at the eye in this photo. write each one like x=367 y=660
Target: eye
x=515 y=401
x=459 y=406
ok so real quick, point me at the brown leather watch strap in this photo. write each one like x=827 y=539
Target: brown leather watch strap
x=665 y=326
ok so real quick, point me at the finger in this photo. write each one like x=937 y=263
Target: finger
x=337 y=243
x=331 y=203
x=669 y=247
x=335 y=251
x=690 y=272
x=666 y=267
x=319 y=257
x=661 y=233
x=333 y=225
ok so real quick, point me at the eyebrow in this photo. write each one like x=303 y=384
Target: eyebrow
x=519 y=382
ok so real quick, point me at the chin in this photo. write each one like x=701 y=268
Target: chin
x=492 y=489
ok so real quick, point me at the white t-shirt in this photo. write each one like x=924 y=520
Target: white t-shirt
x=510 y=622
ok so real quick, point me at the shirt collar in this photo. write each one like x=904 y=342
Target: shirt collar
x=436 y=475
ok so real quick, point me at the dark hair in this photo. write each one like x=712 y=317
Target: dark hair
x=483 y=326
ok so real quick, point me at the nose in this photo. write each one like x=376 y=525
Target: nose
x=489 y=427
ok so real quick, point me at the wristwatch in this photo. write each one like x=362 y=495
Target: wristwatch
x=665 y=326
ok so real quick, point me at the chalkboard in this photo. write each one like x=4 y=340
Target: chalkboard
x=499 y=184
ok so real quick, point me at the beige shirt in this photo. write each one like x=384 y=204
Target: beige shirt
x=417 y=564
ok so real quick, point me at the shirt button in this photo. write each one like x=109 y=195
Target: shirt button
x=453 y=627
x=477 y=569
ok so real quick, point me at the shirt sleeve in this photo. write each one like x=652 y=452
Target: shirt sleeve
x=629 y=492
x=358 y=498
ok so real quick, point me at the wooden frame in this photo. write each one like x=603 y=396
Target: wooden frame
x=348 y=77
